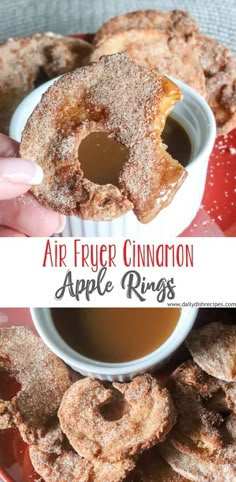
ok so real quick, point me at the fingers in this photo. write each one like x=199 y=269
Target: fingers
x=9 y=233
x=26 y=215
x=17 y=176
x=22 y=215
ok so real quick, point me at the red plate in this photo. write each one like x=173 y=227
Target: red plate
x=15 y=465
x=220 y=193
x=218 y=212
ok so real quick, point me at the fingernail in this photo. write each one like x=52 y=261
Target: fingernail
x=21 y=171
x=62 y=223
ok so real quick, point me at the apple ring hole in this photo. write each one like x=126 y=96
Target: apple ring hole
x=102 y=158
x=9 y=386
x=116 y=408
x=218 y=403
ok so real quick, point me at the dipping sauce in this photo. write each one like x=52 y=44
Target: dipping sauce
x=115 y=335
x=177 y=141
x=102 y=158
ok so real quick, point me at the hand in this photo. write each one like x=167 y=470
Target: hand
x=20 y=213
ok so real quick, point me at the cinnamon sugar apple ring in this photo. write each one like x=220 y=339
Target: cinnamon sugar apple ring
x=213 y=348
x=195 y=469
x=29 y=61
x=146 y=417
x=43 y=378
x=174 y=23
x=70 y=467
x=203 y=405
x=219 y=66
x=156 y=50
x=130 y=104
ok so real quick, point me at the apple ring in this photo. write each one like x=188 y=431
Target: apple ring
x=175 y=23
x=151 y=467
x=195 y=469
x=179 y=48
x=43 y=378
x=70 y=467
x=154 y=49
x=213 y=348
x=29 y=61
x=130 y=104
x=203 y=404
x=146 y=417
x=219 y=66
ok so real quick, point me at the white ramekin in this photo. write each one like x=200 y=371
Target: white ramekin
x=198 y=120
x=111 y=371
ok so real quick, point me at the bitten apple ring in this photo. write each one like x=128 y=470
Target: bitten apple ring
x=130 y=104
x=43 y=378
x=141 y=416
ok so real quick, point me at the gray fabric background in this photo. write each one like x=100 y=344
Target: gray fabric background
x=21 y=17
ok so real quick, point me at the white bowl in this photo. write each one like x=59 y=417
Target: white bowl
x=111 y=371
x=194 y=114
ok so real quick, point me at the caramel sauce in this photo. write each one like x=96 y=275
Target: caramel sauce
x=102 y=158
x=177 y=141
x=115 y=335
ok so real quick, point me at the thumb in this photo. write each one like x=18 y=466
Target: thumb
x=17 y=175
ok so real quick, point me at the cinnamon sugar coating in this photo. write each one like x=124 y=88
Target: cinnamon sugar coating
x=27 y=62
x=148 y=415
x=213 y=348
x=43 y=377
x=174 y=23
x=70 y=467
x=203 y=404
x=128 y=102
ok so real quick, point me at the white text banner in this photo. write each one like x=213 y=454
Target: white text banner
x=117 y=272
